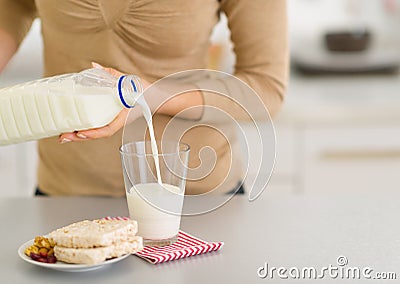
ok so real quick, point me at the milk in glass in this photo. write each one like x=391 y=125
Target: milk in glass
x=156 y=208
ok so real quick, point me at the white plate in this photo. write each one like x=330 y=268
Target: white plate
x=62 y=266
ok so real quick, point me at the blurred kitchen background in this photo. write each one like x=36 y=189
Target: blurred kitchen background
x=339 y=130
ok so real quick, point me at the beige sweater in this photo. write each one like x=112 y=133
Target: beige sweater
x=153 y=39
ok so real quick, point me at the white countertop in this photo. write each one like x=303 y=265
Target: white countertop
x=283 y=230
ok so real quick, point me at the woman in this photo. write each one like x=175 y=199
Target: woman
x=151 y=39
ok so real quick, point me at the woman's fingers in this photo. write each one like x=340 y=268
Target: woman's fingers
x=105 y=131
x=112 y=71
x=101 y=132
x=96 y=133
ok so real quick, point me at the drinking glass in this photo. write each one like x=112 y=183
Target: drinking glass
x=156 y=206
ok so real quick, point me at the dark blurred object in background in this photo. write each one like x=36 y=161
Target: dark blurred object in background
x=345 y=35
x=348 y=41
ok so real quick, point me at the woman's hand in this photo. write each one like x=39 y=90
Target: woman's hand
x=187 y=105
x=111 y=128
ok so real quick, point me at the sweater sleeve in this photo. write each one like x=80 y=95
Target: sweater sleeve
x=16 y=17
x=259 y=35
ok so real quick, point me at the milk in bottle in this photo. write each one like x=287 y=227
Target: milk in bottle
x=65 y=103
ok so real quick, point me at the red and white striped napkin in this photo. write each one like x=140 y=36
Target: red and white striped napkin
x=186 y=245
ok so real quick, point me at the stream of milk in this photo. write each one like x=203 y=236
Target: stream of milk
x=147 y=115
